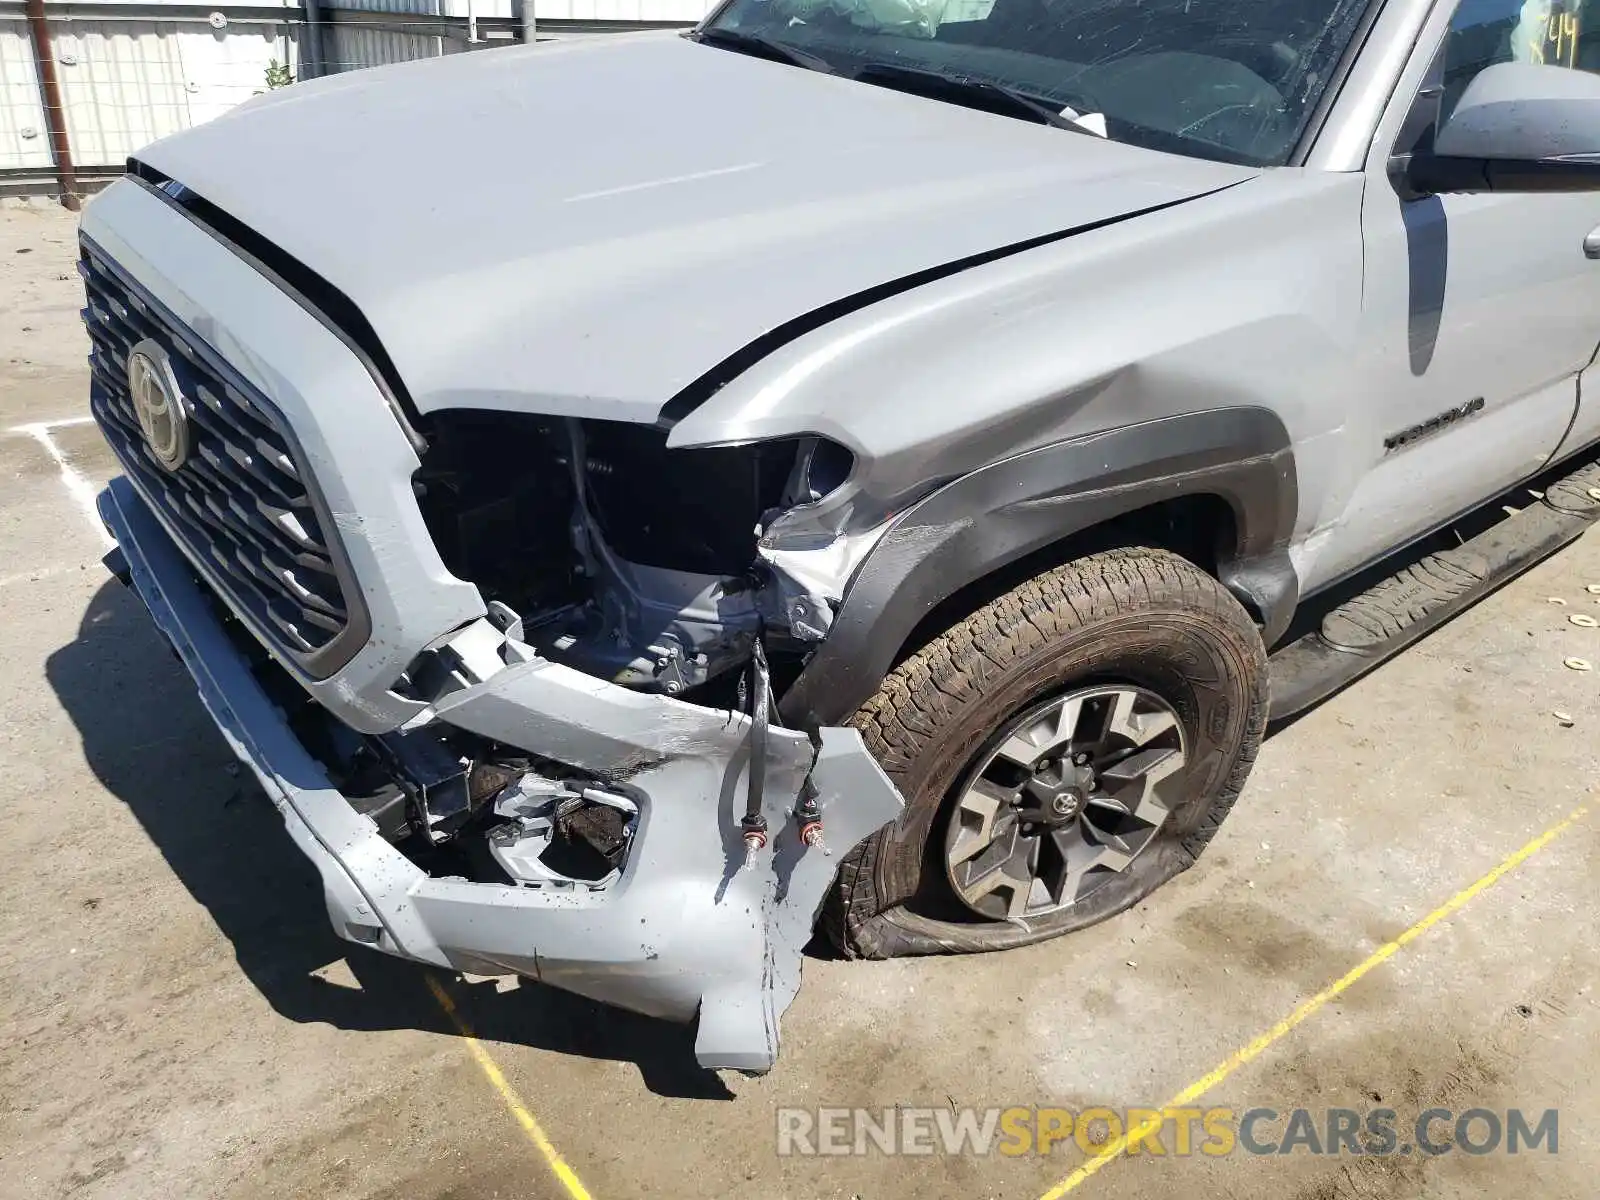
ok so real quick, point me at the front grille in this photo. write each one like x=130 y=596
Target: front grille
x=239 y=503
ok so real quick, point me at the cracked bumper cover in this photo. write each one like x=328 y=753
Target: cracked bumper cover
x=682 y=933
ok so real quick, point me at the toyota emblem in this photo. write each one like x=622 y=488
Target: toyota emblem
x=158 y=404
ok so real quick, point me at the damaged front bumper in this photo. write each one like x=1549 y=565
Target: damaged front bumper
x=681 y=931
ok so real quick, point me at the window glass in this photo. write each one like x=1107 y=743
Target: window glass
x=1230 y=79
x=1560 y=33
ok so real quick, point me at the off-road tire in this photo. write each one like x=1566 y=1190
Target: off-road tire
x=1142 y=616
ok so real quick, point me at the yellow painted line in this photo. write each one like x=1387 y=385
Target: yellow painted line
x=1283 y=1028
x=513 y=1102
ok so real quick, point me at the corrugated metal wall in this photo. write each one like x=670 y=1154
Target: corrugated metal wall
x=126 y=83
x=24 y=138
x=622 y=10
x=421 y=29
x=631 y=11
x=352 y=46
x=132 y=71
x=122 y=84
x=437 y=8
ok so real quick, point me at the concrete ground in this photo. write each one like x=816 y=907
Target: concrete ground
x=177 y=1020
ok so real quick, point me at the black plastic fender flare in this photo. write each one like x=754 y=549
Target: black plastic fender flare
x=1000 y=513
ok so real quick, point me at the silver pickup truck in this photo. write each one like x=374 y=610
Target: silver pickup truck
x=860 y=462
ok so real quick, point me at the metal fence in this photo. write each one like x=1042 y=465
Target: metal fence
x=84 y=85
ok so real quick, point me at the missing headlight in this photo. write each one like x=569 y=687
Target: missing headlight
x=614 y=554
x=686 y=510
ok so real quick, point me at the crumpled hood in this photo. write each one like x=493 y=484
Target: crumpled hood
x=589 y=227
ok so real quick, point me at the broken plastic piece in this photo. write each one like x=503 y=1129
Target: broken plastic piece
x=1094 y=123
x=544 y=814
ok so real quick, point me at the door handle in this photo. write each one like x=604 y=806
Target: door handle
x=1591 y=244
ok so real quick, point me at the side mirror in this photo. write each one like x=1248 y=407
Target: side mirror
x=1517 y=128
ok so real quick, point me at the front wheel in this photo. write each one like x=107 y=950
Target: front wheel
x=1062 y=752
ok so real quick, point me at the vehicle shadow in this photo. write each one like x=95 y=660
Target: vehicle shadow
x=151 y=744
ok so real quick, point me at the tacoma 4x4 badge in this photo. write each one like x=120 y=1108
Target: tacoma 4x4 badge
x=629 y=501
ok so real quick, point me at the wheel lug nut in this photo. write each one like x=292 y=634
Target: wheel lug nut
x=1081 y=760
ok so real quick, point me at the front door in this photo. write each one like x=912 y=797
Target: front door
x=1479 y=311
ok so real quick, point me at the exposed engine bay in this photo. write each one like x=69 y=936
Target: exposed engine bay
x=598 y=548
x=635 y=563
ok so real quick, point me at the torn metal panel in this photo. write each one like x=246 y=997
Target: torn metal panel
x=808 y=580
x=700 y=934
x=574 y=718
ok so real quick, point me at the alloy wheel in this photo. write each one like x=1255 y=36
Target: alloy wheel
x=1063 y=798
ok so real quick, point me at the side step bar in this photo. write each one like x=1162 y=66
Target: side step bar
x=1380 y=622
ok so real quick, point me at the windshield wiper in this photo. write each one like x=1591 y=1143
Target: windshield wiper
x=759 y=47
x=980 y=93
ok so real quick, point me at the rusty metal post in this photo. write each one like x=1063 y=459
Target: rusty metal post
x=55 y=114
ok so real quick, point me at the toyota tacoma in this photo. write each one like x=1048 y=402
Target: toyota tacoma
x=857 y=464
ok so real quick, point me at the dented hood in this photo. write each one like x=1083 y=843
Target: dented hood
x=589 y=227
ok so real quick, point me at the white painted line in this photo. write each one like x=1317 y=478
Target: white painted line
x=65 y=421
x=79 y=488
x=58 y=423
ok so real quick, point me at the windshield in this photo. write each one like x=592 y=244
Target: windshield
x=1235 y=80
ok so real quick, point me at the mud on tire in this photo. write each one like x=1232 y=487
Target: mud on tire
x=1141 y=616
